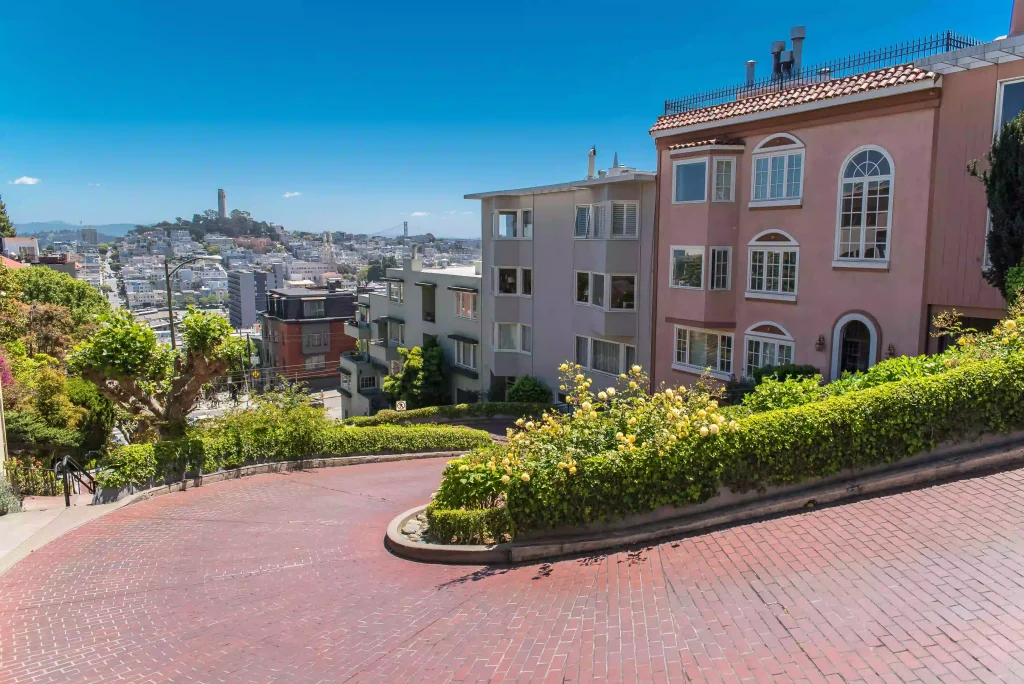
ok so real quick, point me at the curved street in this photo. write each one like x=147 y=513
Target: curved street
x=285 y=577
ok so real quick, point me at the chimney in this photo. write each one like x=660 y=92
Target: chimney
x=751 y=64
x=777 y=48
x=1017 y=18
x=590 y=162
x=787 y=63
x=797 y=35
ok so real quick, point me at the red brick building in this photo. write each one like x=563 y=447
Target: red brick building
x=303 y=335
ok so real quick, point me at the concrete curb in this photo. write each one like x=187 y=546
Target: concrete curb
x=944 y=466
x=320 y=461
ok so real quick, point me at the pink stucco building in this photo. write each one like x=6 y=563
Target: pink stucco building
x=823 y=215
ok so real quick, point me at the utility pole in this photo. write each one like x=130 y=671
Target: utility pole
x=170 y=307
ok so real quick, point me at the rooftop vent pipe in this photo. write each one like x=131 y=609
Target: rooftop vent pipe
x=750 y=71
x=797 y=35
x=590 y=162
x=777 y=48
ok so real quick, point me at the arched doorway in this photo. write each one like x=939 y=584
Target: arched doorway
x=854 y=345
x=855 y=349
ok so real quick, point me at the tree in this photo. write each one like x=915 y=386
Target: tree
x=156 y=385
x=47 y=286
x=421 y=380
x=1004 y=188
x=51 y=329
x=12 y=311
x=378 y=268
x=103 y=248
x=6 y=227
x=529 y=389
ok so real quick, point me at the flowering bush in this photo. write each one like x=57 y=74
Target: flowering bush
x=624 y=451
x=598 y=461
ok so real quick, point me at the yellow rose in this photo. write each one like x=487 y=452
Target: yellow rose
x=610 y=391
x=580 y=378
x=622 y=375
x=733 y=425
x=703 y=432
x=572 y=470
x=668 y=393
x=622 y=448
x=637 y=369
x=1010 y=324
x=586 y=406
x=701 y=413
x=506 y=479
x=593 y=414
x=525 y=477
x=632 y=420
x=564 y=367
x=561 y=465
x=602 y=396
x=632 y=385
x=519 y=422
x=529 y=425
x=463 y=468
x=713 y=429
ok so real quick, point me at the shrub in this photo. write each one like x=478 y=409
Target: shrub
x=481 y=526
x=773 y=394
x=9 y=501
x=479 y=410
x=529 y=389
x=134 y=464
x=785 y=371
x=628 y=452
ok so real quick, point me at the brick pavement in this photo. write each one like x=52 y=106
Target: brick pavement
x=284 y=578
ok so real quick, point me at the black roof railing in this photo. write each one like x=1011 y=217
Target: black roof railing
x=900 y=53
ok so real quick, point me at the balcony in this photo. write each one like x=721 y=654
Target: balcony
x=429 y=316
x=384 y=351
x=357 y=329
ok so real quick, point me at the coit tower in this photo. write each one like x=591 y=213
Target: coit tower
x=222 y=203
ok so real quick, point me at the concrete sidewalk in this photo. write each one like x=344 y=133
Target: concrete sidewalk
x=23 y=533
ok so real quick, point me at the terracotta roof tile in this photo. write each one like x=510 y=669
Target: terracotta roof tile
x=812 y=92
x=706 y=143
x=11 y=263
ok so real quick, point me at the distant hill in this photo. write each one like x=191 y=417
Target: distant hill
x=45 y=227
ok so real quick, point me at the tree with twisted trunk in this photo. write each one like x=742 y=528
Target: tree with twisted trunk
x=158 y=386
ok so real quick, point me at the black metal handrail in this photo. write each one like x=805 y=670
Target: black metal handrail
x=900 y=53
x=62 y=470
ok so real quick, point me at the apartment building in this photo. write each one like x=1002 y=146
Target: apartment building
x=242 y=299
x=568 y=276
x=304 y=337
x=823 y=215
x=419 y=305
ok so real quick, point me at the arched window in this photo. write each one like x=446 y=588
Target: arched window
x=854 y=345
x=777 y=178
x=767 y=344
x=865 y=206
x=772 y=266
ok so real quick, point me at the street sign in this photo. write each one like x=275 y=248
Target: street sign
x=255 y=374
x=399 y=405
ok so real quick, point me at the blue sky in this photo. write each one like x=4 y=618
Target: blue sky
x=374 y=112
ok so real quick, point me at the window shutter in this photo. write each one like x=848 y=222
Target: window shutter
x=601 y=220
x=618 y=219
x=632 y=218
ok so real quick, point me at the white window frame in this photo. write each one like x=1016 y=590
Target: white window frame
x=997 y=124
x=319 y=305
x=688 y=367
x=625 y=209
x=396 y=288
x=401 y=332
x=590 y=221
x=521 y=232
x=496 y=336
x=672 y=261
x=315 y=362
x=589 y=365
x=606 y=290
x=785 y=339
x=732 y=178
x=527 y=230
x=756 y=245
x=706 y=161
x=519 y=281
x=474 y=305
x=462 y=349
x=322 y=338
x=727 y=250
x=761 y=152
x=367 y=385
x=861 y=261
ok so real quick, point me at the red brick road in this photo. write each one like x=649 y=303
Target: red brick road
x=282 y=578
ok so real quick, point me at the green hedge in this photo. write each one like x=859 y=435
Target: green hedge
x=221 y=447
x=878 y=425
x=480 y=526
x=455 y=412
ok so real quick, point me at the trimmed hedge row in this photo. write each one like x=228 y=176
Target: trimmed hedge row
x=879 y=425
x=478 y=526
x=141 y=464
x=480 y=410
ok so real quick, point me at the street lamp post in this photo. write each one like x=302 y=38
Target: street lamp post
x=168 y=274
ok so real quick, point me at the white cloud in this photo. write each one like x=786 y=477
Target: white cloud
x=94 y=185
x=465 y=213
x=420 y=213
x=291 y=194
x=24 y=180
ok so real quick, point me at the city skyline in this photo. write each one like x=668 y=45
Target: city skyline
x=300 y=137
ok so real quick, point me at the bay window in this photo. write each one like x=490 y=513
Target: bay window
x=513 y=224
x=724 y=179
x=623 y=292
x=513 y=280
x=690 y=181
x=687 y=268
x=721 y=268
x=604 y=356
x=466 y=305
x=513 y=337
x=465 y=354
x=777 y=176
x=697 y=350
